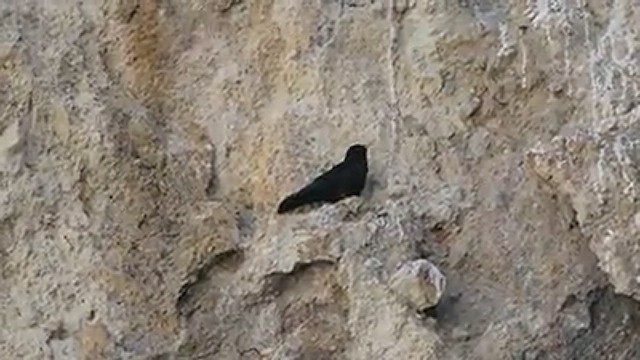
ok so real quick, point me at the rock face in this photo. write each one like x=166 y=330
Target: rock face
x=145 y=144
x=598 y=170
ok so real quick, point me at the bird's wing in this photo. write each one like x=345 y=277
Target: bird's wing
x=325 y=186
x=331 y=186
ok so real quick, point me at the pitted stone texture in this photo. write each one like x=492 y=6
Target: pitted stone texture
x=419 y=283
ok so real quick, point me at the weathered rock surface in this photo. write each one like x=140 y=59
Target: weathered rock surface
x=599 y=172
x=144 y=146
x=419 y=283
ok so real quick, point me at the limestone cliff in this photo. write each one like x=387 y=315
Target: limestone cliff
x=145 y=144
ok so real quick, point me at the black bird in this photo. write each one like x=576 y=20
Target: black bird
x=341 y=181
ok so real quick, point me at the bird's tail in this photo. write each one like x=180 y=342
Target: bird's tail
x=290 y=203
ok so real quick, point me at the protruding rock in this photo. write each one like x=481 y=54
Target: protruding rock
x=419 y=283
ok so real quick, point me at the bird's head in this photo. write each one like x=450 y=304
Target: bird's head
x=356 y=152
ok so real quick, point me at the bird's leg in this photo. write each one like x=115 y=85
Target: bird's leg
x=361 y=204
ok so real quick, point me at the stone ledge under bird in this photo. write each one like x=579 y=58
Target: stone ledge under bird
x=341 y=181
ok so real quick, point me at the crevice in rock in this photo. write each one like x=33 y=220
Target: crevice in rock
x=352 y=4
x=58 y=333
x=228 y=6
x=163 y=356
x=129 y=17
x=605 y=303
x=395 y=19
x=247 y=352
x=613 y=324
x=213 y=183
x=7 y=226
x=278 y=282
x=199 y=278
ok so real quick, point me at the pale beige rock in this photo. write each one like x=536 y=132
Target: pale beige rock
x=380 y=323
x=60 y=120
x=419 y=283
x=10 y=138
